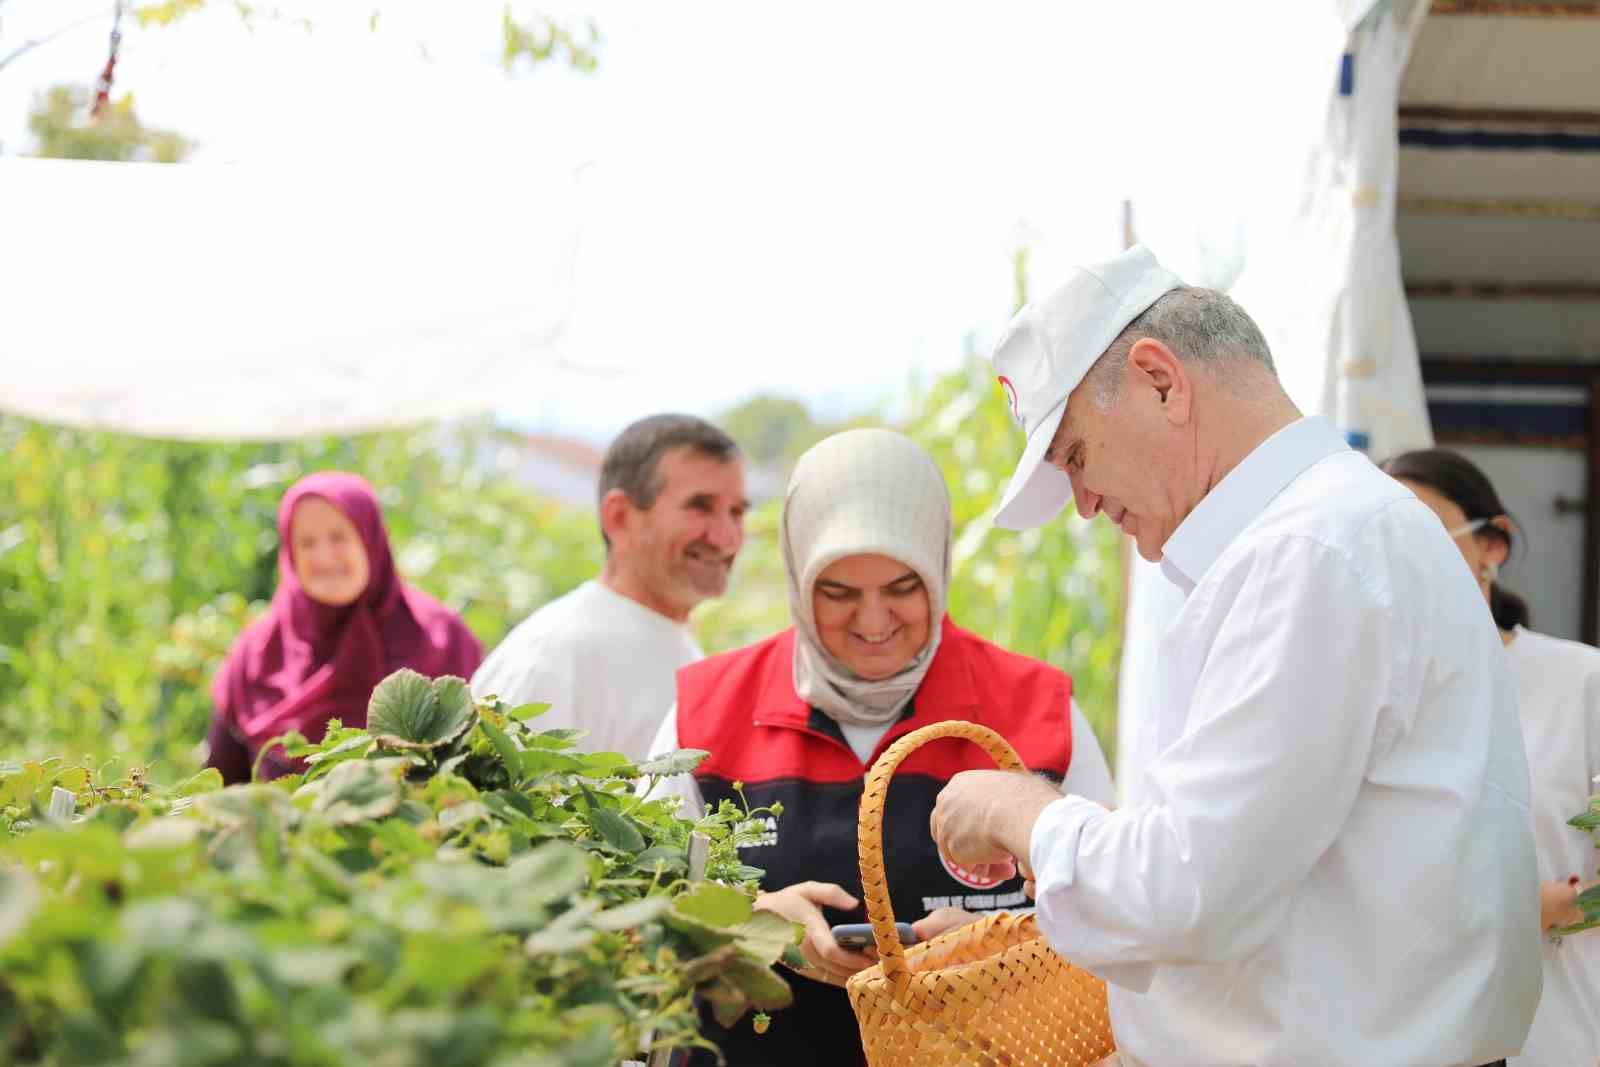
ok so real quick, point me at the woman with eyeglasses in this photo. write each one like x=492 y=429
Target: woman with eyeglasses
x=1558 y=690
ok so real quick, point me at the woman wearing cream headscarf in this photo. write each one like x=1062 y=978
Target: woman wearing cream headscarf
x=800 y=717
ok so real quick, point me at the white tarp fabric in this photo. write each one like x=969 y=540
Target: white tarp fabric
x=312 y=301
x=1314 y=259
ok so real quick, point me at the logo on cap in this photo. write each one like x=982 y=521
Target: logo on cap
x=1011 y=399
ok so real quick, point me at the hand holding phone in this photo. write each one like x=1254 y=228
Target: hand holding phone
x=857 y=936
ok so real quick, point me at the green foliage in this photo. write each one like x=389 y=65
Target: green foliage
x=60 y=124
x=1054 y=593
x=1589 y=900
x=539 y=38
x=393 y=904
x=128 y=566
x=772 y=430
x=536 y=39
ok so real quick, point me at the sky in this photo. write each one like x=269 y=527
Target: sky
x=822 y=201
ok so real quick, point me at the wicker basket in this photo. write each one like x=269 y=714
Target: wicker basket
x=989 y=994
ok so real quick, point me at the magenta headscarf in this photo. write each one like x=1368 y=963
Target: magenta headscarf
x=304 y=662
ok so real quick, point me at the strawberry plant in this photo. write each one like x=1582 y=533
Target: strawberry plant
x=448 y=886
x=1588 y=900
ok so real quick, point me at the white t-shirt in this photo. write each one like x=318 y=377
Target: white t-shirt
x=1558 y=691
x=603 y=662
x=1088 y=775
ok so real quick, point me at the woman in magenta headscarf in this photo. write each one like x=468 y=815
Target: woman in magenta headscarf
x=340 y=622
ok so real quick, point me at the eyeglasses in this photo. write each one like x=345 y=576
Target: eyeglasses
x=1468 y=528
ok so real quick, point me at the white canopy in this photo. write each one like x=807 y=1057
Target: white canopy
x=217 y=301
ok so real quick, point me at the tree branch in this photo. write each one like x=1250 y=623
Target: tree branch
x=27 y=46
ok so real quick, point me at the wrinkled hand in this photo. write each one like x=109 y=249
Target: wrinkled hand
x=941 y=921
x=802 y=903
x=1558 y=904
x=984 y=819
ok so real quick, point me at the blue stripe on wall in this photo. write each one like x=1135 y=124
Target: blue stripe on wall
x=1551 y=141
x=1509 y=418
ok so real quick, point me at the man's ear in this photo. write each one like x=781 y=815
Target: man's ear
x=615 y=511
x=1157 y=368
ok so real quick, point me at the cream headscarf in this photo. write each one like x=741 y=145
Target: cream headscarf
x=859 y=492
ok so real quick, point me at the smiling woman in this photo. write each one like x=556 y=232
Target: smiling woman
x=871 y=613
x=341 y=619
x=329 y=559
x=796 y=720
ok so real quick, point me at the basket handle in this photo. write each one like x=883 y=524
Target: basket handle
x=869 y=827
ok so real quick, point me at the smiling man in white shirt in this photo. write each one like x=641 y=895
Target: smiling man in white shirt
x=1334 y=863
x=605 y=656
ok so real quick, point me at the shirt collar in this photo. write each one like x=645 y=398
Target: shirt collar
x=1244 y=493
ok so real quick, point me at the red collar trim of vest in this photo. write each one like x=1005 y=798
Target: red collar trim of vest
x=948 y=691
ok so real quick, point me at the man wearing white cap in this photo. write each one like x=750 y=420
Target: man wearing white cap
x=1334 y=863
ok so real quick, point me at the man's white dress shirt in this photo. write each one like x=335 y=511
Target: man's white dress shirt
x=1334 y=862
x=604 y=663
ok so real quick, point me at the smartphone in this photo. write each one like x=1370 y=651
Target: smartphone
x=857 y=936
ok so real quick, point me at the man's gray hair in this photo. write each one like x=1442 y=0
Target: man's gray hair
x=633 y=461
x=1203 y=325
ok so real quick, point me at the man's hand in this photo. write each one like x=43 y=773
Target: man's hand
x=983 y=819
x=802 y=903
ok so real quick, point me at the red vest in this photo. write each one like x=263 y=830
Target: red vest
x=742 y=708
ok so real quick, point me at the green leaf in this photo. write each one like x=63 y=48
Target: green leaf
x=417 y=713
x=616 y=830
x=715 y=905
x=170 y=832
x=568 y=932
x=728 y=1002
x=634 y=913
x=553 y=870
x=672 y=859
x=605 y=765
x=537 y=761
x=762 y=988
x=254 y=803
x=524 y=712
x=459 y=815
x=207 y=781
x=509 y=754
x=767 y=936
x=558 y=740
x=360 y=790
x=76 y=779
x=312 y=965
x=681 y=761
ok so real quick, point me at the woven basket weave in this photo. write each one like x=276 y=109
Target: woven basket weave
x=988 y=994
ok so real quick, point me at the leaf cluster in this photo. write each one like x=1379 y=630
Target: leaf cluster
x=449 y=886
x=1589 y=900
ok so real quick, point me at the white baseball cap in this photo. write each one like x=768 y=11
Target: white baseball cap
x=1045 y=352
